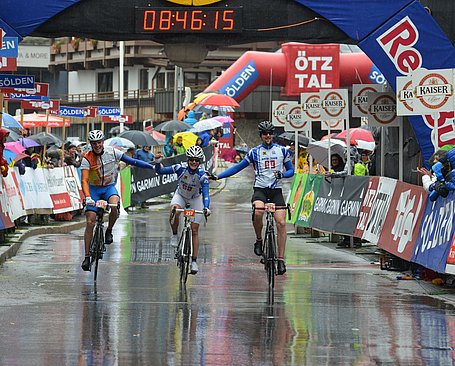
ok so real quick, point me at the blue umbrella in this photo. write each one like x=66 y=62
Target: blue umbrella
x=9 y=121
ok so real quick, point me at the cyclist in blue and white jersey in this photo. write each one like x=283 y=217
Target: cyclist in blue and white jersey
x=271 y=162
x=192 y=188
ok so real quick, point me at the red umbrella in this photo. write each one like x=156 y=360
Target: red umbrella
x=219 y=100
x=39 y=120
x=326 y=137
x=360 y=137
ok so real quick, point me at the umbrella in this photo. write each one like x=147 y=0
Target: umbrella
x=206 y=124
x=45 y=138
x=13 y=136
x=172 y=125
x=15 y=147
x=208 y=109
x=360 y=137
x=20 y=157
x=332 y=135
x=9 y=121
x=116 y=130
x=139 y=138
x=26 y=142
x=158 y=136
x=224 y=119
x=188 y=138
x=34 y=119
x=201 y=96
x=290 y=137
x=119 y=142
x=219 y=100
x=319 y=150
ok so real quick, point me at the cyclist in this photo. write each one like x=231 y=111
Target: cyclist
x=271 y=163
x=192 y=188
x=99 y=176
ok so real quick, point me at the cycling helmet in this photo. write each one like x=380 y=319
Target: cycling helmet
x=266 y=126
x=95 y=135
x=195 y=152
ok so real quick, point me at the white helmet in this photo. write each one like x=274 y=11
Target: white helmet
x=95 y=135
x=195 y=152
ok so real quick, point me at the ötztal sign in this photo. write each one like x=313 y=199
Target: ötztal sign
x=433 y=90
x=311 y=67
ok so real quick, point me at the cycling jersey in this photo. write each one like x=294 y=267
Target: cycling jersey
x=190 y=184
x=266 y=159
x=103 y=169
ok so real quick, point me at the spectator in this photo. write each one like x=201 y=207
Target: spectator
x=54 y=157
x=144 y=154
x=205 y=136
x=70 y=154
x=198 y=142
x=190 y=119
x=179 y=148
x=168 y=148
x=428 y=176
x=3 y=163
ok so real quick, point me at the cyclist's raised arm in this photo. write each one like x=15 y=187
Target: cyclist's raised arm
x=289 y=170
x=160 y=169
x=234 y=169
x=139 y=163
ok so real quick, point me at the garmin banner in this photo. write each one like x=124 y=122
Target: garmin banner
x=146 y=184
x=337 y=209
x=399 y=37
x=435 y=236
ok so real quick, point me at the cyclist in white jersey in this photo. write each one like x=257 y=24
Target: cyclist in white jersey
x=271 y=162
x=192 y=189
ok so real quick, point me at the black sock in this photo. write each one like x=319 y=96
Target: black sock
x=194 y=259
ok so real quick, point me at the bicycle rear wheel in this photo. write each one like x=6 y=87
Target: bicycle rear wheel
x=96 y=248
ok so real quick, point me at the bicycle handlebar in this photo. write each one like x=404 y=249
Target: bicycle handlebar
x=275 y=208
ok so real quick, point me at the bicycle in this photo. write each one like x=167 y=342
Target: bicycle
x=269 y=246
x=184 y=250
x=97 y=247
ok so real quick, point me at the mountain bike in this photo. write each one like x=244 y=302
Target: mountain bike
x=97 y=247
x=269 y=246
x=184 y=250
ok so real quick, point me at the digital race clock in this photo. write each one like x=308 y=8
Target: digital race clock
x=188 y=20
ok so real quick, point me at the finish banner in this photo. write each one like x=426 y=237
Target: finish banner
x=375 y=207
x=337 y=209
x=401 y=227
x=399 y=36
x=146 y=184
x=436 y=234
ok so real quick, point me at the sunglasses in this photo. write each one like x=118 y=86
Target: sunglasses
x=267 y=133
x=195 y=160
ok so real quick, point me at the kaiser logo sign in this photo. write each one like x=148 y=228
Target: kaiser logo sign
x=295 y=121
x=279 y=112
x=382 y=110
x=360 y=98
x=334 y=104
x=405 y=97
x=433 y=91
x=311 y=106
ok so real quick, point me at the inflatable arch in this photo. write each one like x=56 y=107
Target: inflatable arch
x=399 y=36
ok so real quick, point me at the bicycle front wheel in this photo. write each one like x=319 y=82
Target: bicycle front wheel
x=186 y=255
x=270 y=259
x=96 y=248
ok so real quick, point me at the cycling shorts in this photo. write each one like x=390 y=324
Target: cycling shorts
x=268 y=195
x=195 y=203
x=101 y=193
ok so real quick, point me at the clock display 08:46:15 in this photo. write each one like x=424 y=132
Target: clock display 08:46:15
x=191 y=20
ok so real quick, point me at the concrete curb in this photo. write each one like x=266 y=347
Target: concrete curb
x=15 y=241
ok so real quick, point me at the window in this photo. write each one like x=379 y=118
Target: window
x=143 y=79
x=193 y=79
x=105 y=82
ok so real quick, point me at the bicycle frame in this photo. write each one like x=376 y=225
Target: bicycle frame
x=269 y=244
x=184 y=250
x=97 y=247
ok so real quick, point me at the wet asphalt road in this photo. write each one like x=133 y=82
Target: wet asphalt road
x=331 y=308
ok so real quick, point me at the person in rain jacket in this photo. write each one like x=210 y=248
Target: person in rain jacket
x=191 y=118
x=444 y=170
x=3 y=163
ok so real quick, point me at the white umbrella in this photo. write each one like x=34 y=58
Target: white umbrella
x=319 y=150
x=206 y=124
x=119 y=142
